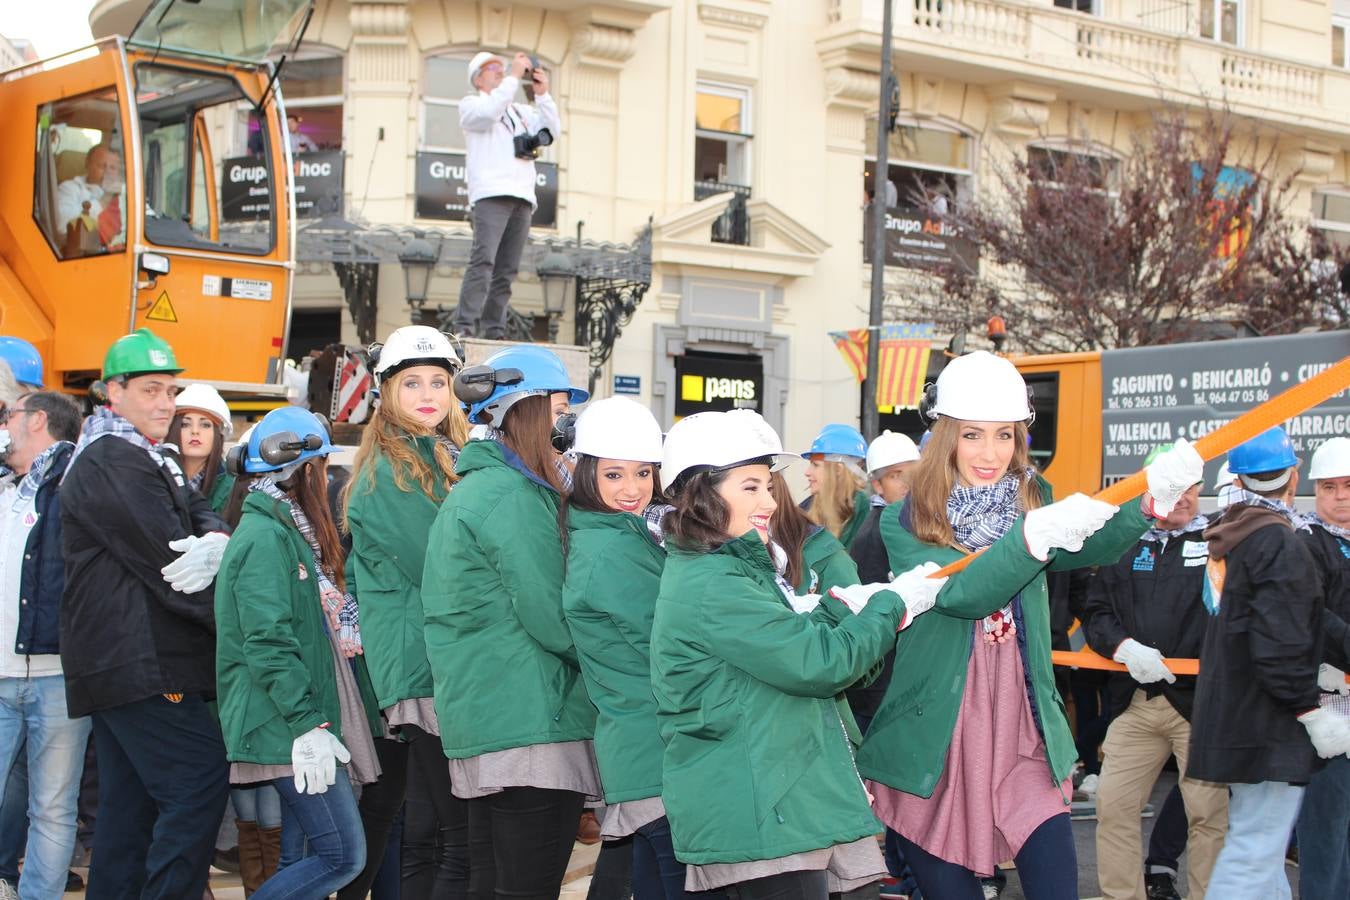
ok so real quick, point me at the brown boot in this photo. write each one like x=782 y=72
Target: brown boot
x=270 y=839
x=588 y=830
x=250 y=856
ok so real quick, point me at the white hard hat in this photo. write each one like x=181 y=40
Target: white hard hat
x=618 y=428
x=1331 y=460
x=1224 y=478
x=480 y=59
x=982 y=387
x=718 y=440
x=415 y=345
x=206 y=399
x=889 y=449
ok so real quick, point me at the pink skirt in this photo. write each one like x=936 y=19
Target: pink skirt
x=996 y=786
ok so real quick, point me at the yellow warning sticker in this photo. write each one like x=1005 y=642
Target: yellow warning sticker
x=162 y=310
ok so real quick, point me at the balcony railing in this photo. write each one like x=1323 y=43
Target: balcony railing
x=733 y=226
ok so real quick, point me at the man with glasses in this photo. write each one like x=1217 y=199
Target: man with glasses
x=138 y=634
x=41 y=428
x=501 y=180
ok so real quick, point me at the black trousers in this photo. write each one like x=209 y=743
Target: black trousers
x=784 y=886
x=435 y=825
x=519 y=842
x=379 y=806
x=163 y=785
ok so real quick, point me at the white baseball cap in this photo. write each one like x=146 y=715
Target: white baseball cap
x=480 y=59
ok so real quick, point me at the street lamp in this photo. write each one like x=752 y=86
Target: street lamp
x=555 y=272
x=418 y=258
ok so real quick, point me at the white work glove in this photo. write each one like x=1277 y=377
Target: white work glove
x=1330 y=678
x=855 y=596
x=1172 y=474
x=918 y=590
x=1064 y=525
x=314 y=757
x=1145 y=663
x=805 y=603
x=197 y=567
x=1328 y=730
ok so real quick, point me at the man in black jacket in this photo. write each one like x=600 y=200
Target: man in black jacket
x=1146 y=607
x=139 y=653
x=1324 y=821
x=1257 y=726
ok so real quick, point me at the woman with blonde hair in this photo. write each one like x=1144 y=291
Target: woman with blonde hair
x=835 y=476
x=404 y=468
x=969 y=755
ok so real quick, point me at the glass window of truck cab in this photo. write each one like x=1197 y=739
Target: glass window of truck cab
x=203 y=188
x=79 y=184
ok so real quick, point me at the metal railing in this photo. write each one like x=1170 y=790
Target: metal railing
x=733 y=226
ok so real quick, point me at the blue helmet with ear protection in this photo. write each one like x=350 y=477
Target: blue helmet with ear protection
x=285 y=436
x=511 y=375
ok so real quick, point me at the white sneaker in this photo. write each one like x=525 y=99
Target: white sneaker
x=990 y=891
x=1089 y=785
x=8 y=891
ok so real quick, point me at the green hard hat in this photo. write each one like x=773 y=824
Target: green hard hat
x=137 y=353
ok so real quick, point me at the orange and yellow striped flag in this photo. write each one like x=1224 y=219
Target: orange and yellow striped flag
x=903 y=364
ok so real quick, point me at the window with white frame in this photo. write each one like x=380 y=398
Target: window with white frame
x=929 y=166
x=1340 y=27
x=445 y=81
x=1222 y=21
x=1091 y=7
x=1331 y=215
x=722 y=134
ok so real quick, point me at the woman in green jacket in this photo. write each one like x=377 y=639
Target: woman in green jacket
x=201 y=426
x=515 y=720
x=835 y=475
x=758 y=779
x=404 y=468
x=296 y=707
x=614 y=563
x=969 y=755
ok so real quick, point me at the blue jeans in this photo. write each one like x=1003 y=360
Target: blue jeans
x=657 y=874
x=14 y=817
x=258 y=803
x=34 y=710
x=1251 y=864
x=331 y=823
x=1324 y=834
x=163 y=786
x=1047 y=866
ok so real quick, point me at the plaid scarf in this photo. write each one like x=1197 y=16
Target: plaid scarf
x=1242 y=495
x=1199 y=523
x=878 y=502
x=38 y=474
x=655 y=516
x=979 y=516
x=339 y=607
x=105 y=422
x=1306 y=521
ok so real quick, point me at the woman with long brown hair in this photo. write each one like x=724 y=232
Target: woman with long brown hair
x=515 y=719
x=201 y=426
x=835 y=476
x=404 y=469
x=969 y=755
x=296 y=707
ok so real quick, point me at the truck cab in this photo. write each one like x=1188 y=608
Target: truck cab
x=146 y=183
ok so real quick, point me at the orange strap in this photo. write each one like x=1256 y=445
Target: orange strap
x=1088 y=659
x=1274 y=411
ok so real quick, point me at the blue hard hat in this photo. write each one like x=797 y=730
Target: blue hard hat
x=838 y=440
x=513 y=374
x=286 y=435
x=23 y=359
x=1269 y=451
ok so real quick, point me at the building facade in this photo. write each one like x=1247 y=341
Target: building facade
x=740 y=132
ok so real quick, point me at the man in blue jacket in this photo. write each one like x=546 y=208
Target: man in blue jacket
x=41 y=428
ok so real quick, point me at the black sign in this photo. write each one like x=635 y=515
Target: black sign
x=1154 y=395
x=717 y=381
x=442 y=186
x=246 y=186
x=917 y=241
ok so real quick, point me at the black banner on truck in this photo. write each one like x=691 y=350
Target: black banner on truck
x=1154 y=395
x=246 y=187
x=442 y=189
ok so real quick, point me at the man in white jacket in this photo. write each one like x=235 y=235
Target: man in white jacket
x=501 y=185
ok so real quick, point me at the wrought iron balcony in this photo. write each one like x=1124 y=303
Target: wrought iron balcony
x=733 y=226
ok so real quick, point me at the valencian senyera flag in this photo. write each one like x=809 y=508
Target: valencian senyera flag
x=902 y=366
